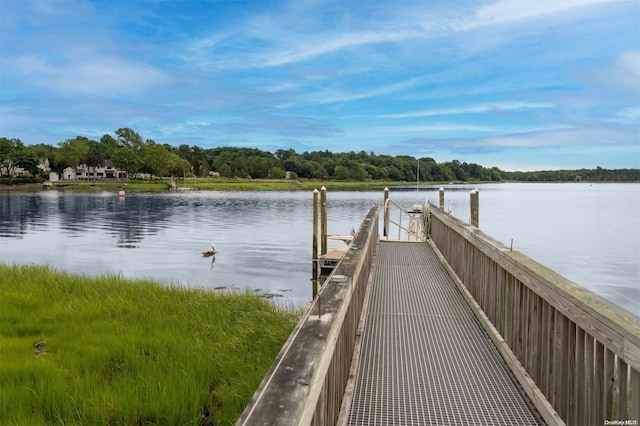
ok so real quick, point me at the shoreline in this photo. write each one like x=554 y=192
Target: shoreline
x=243 y=185
x=208 y=184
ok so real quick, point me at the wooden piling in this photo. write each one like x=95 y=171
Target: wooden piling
x=323 y=220
x=441 y=197
x=475 y=206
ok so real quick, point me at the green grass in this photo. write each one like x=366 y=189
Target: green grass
x=239 y=184
x=106 y=350
x=227 y=184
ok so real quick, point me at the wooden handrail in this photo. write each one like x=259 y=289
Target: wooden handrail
x=578 y=350
x=305 y=385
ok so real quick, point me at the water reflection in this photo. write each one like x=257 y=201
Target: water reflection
x=263 y=239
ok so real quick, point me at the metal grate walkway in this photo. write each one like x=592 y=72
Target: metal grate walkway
x=424 y=358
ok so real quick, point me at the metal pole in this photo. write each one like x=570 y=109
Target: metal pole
x=386 y=213
x=314 y=253
x=477 y=208
x=323 y=219
x=418 y=178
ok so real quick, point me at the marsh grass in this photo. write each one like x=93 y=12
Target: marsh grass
x=222 y=184
x=107 y=350
x=240 y=184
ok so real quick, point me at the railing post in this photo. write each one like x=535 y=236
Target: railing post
x=475 y=206
x=323 y=219
x=441 y=193
x=386 y=213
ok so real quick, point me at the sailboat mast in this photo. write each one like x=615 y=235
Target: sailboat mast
x=418 y=177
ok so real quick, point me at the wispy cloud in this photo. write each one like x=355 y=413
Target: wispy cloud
x=458 y=78
x=510 y=11
x=627 y=116
x=473 y=109
x=281 y=38
x=600 y=140
x=562 y=137
x=333 y=96
x=98 y=75
x=313 y=47
x=432 y=130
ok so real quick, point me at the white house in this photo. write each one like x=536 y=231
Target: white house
x=12 y=170
x=105 y=171
x=44 y=165
x=69 y=173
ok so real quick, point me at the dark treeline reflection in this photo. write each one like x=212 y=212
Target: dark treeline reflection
x=128 y=219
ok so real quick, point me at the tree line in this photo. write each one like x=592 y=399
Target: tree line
x=129 y=151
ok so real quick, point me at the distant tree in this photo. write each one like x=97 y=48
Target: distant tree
x=312 y=170
x=458 y=170
x=109 y=144
x=225 y=170
x=341 y=173
x=129 y=151
x=72 y=152
x=14 y=154
x=496 y=175
x=7 y=149
x=283 y=155
x=44 y=150
x=258 y=167
x=293 y=164
x=127 y=159
x=376 y=173
x=277 y=173
x=128 y=138
x=27 y=158
x=159 y=161
x=98 y=152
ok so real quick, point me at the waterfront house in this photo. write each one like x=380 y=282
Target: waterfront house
x=104 y=171
x=44 y=165
x=13 y=171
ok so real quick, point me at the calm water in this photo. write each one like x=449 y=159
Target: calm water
x=588 y=233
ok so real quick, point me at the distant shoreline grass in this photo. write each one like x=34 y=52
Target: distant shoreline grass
x=217 y=184
x=108 y=350
x=243 y=184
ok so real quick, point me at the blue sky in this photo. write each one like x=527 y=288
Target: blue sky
x=517 y=84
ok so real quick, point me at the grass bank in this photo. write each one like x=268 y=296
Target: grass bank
x=107 y=350
x=215 y=184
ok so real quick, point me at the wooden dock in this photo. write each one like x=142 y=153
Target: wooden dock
x=455 y=329
x=424 y=357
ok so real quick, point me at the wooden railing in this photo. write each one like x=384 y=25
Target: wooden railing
x=306 y=382
x=576 y=354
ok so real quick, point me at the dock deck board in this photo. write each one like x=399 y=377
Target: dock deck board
x=424 y=358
